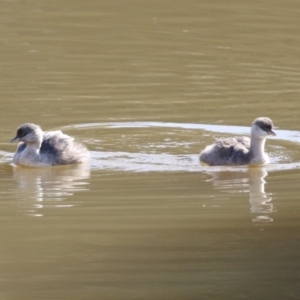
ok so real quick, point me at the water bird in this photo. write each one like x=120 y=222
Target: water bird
x=38 y=148
x=241 y=150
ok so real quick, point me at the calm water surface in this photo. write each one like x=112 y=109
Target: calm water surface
x=146 y=86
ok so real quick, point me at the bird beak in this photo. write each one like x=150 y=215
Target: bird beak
x=271 y=132
x=14 y=139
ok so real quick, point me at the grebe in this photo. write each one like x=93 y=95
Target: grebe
x=241 y=150
x=38 y=148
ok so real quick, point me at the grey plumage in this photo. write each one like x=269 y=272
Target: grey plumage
x=38 y=148
x=240 y=150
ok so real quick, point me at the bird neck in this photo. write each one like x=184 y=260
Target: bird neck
x=33 y=148
x=257 y=149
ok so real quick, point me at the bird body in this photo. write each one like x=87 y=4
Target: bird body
x=39 y=148
x=240 y=150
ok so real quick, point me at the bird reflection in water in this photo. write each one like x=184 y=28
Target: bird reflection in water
x=38 y=188
x=250 y=180
x=260 y=201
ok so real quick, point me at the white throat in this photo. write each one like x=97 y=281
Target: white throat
x=257 y=149
x=32 y=148
x=29 y=155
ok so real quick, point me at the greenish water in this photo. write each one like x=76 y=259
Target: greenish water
x=146 y=86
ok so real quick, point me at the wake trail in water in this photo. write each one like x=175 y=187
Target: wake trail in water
x=141 y=160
